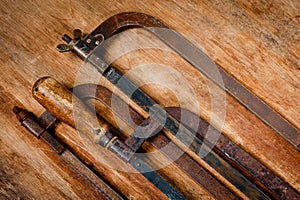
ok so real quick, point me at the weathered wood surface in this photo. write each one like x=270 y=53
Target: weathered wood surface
x=255 y=41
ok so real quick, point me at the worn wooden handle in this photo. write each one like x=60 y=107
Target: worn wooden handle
x=60 y=101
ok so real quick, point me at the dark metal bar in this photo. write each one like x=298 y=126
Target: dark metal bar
x=157 y=180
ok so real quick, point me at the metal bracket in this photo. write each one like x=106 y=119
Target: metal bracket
x=39 y=126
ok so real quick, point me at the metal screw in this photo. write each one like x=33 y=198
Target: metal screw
x=138 y=164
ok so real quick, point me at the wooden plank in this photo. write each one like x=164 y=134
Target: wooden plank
x=256 y=42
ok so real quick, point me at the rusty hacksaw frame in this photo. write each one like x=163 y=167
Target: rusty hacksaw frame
x=124 y=21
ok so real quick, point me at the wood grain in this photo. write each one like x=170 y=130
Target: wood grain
x=255 y=41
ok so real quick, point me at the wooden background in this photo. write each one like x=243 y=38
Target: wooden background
x=258 y=42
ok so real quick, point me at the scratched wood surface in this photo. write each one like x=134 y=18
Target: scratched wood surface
x=258 y=42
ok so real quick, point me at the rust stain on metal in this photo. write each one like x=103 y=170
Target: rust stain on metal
x=30 y=122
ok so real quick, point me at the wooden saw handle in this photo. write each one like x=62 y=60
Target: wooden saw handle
x=61 y=102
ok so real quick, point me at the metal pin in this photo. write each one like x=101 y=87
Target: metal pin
x=63 y=48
